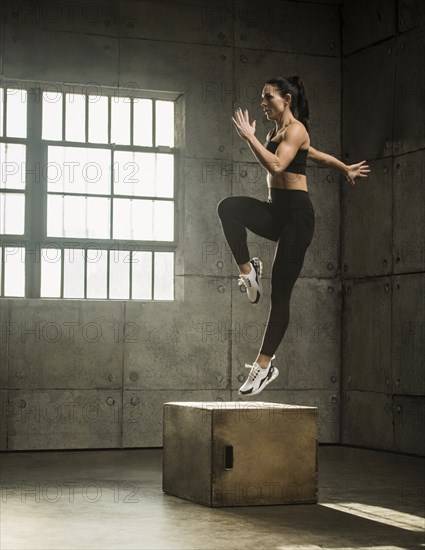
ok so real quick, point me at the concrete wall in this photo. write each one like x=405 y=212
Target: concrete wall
x=85 y=374
x=383 y=226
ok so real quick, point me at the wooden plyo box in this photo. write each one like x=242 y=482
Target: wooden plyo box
x=240 y=453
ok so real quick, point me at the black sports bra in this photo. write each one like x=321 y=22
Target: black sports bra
x=298 y=163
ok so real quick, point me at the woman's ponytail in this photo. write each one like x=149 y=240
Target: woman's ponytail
x=302 y=103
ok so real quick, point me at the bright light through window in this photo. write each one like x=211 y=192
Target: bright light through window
x=16 y=118
x=75 y=119
x=14 y=271
x=164 y=124
x=52 y=116
x=105 y=194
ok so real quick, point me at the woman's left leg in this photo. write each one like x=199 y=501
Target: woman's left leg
x=296 y=235
x=294 y=240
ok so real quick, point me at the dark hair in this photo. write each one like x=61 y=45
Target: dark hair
x=293 y=85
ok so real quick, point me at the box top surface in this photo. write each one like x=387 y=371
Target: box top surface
x=235 y=405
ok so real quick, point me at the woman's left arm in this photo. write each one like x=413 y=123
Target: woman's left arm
x=351 y=172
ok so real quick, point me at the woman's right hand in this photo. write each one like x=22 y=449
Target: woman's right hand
x=358 y=170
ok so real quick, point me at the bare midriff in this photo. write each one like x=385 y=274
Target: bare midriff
x=287 y=180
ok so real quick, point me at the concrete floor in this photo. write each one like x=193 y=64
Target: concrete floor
x=113 y=499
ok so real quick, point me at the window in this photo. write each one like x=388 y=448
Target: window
x=87 y=194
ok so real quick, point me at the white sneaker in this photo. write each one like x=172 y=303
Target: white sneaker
x=258 y=378
x=252 y=281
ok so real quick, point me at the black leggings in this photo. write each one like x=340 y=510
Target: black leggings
x=286 y=218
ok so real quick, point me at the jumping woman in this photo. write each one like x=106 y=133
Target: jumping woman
x=287 y=218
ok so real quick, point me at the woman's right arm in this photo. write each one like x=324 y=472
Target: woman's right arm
x=350 y=172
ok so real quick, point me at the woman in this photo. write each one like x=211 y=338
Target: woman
x=286 y=218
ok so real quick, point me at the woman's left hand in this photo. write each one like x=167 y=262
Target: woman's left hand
x=242 y=125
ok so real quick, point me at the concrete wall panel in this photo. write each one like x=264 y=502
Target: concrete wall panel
x=367 y=128
x=323 y=90
x=409 y=112
x=5 y=330
x=367 y=420
x=37 y=55
x=367 y=22
x=204 y=183
x=66 y=344
x=409 y=212
x=143 y=413
x=284 y=26
x=367 y=223
x=366 y=340
x=411 y=13
x=249 y=178
x=327 y=402
x=309 y=354
x=3 y=419
x=336 y=2
x=409 y=421
x=382 y=225
x=408 y=332
x=192 y=21
x=203 y=73
x=64 y=419
x=94 y=17
x=179 y=345
x=323 y=255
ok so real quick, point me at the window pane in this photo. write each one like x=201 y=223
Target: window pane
x=55 y=219
x=134 y=173
x=142 y=122
x=75 y=117
x=142 y=275
x=1 y=110
x=163 y=227
x=16 y=116
x=12 y=213
x=164 y=175
x=52 y=115
x=78 y=217
x=98 y=119
x=79 y=170
x=120 y=124
x=73 y=273
x=98 y=218
x=164 y=276
x=119 y=274
x=50 y=273
x=97 y=265
x=143 y=174
x=143 y=220
x=14 y=271
x=133 y=219
x=12 y=157
x=164 y=123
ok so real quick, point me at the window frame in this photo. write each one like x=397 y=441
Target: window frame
x=35 y=236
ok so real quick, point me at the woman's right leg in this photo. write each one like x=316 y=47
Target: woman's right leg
x=239 y=213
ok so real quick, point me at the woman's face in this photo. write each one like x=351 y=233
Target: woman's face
x=272 y=102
